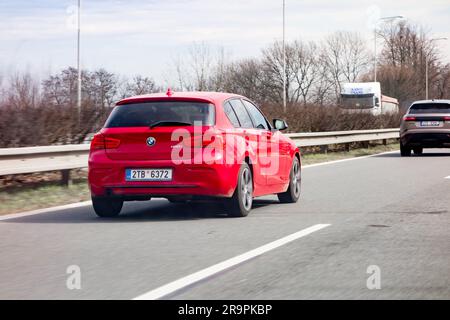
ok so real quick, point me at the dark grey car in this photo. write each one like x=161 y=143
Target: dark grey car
x=425 y=125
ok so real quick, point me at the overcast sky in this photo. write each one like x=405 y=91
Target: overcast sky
x=131 y=37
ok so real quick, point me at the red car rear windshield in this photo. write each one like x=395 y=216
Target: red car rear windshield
x=429 y=108
x=161 y=113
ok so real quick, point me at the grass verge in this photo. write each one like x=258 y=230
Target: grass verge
x=339 y=155
x=25 y=196
x=36 y=197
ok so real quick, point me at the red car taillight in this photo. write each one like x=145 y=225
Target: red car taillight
x=406 y=118
x=101 y=142
x=446 y=118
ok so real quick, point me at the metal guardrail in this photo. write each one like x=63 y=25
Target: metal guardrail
x=339 y=137
x=67 y=157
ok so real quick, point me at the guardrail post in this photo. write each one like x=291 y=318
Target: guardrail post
x=347 y=147
x=65 y=178
x=324 y=149
x=384 y=142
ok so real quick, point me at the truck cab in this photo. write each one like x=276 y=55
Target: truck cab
x=366 y=97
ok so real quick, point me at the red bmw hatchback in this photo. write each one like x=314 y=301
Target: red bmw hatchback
x=191 y=145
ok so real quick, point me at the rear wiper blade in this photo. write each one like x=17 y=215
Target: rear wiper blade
x=169 y=123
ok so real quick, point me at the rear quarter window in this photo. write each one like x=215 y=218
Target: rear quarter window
x=231 y=115
x=241 y=113
x=259 y=120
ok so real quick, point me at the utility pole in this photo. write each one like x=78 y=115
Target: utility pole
x=375 y=54
x=78 y=62
x=284 y=56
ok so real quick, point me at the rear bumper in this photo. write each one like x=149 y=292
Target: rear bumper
x=426 y=139
x=107 y=178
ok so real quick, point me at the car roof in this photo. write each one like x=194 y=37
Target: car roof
x=444 y=101
x=212 y=97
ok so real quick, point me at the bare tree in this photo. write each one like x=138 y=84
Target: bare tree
x=61 y=89
x=184 y=77
x=139 y=85
x=305 y=69
x=441 y=85
x=99 y=88
x=246 y=77
x=323 y=91
x=272 y=62
x=103 y=88
x=53 y=90
x=2 y=90
x=218 y=78
x=201 y=63
x=195 y=69
x=346 y=58
x=23 y=91
x=406 y=51
x=405 y=45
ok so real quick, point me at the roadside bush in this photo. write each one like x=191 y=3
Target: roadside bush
x=48 y=125
x=313 y=118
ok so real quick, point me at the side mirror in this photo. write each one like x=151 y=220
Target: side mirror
x=280 y=124
x=377 y=102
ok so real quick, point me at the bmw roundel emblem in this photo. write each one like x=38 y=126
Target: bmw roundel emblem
x=151 y=141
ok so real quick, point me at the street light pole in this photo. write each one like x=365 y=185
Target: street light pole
x=426 y=67
x=375 y=43
x=426 y=76
x=78 y=62
x=284 y=56
x=375 y=54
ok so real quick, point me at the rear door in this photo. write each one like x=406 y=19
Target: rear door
x=248 y=132
x=271 y=153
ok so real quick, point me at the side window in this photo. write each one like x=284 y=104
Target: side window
x=377 y=102
x=258 y=118
x=228 y=109
x=241 y=113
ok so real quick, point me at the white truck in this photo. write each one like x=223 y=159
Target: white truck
x=366 y=97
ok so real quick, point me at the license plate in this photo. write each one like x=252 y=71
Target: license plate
x=430 y=123
x=148 y=174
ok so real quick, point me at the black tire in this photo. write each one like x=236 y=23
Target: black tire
x=404 y=151
x=418 y=151
x=292 y=194
x=107 y=207
x=240 y=204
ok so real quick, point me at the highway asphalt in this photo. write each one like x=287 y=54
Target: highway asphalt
x=383 y=211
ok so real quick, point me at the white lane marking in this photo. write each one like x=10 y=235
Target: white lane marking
x=348 y=159
x=45 y=210
x=208 y=272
